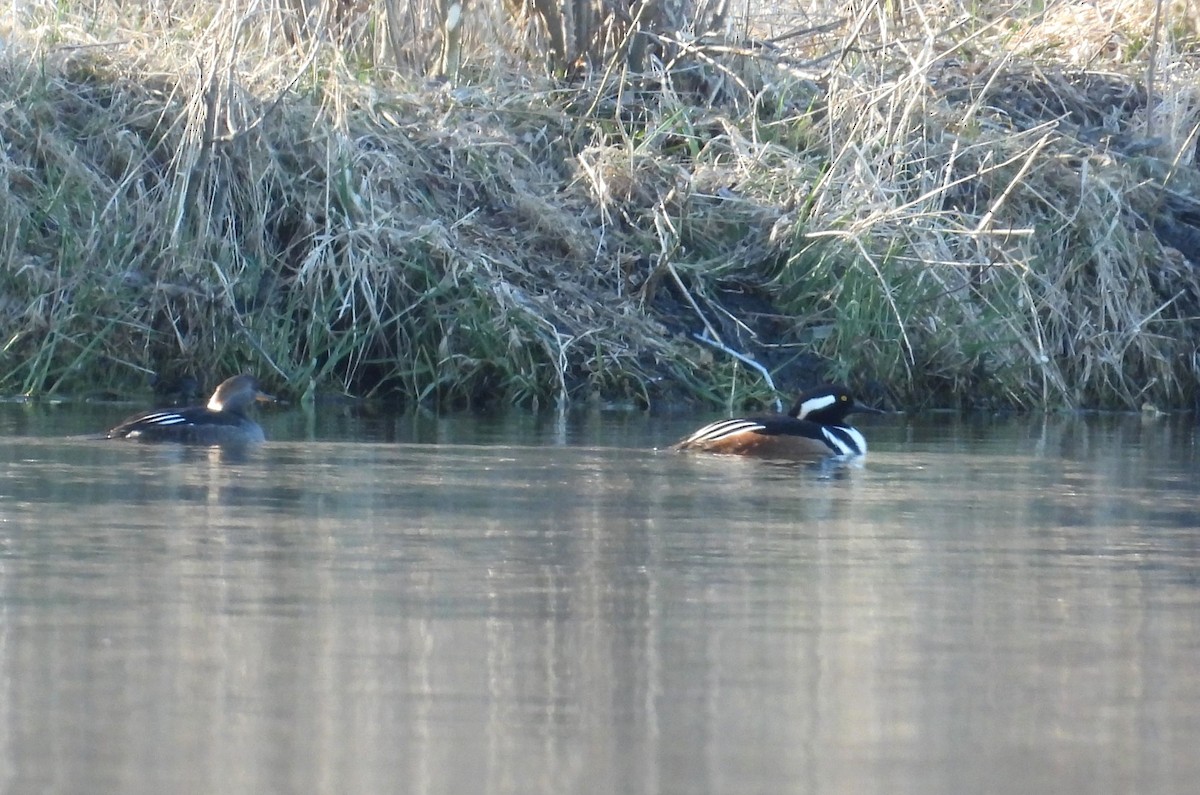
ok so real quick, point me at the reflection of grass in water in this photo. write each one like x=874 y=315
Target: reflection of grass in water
x=936 y=217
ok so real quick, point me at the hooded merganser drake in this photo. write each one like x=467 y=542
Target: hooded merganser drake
x=222 y=421
x=814 y=427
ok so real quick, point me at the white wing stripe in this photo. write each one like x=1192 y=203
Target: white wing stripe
x=162 y=418
x=720 y=430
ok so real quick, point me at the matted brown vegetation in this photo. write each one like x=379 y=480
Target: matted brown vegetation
x=945 y=207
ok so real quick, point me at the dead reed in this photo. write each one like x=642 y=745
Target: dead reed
x=935 y=207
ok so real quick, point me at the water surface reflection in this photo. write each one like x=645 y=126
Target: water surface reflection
x=985 y=606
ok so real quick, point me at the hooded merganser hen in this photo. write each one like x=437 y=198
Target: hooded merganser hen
x=222 y=421
x=814 y=427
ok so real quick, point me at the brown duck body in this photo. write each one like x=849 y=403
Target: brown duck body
x=815 y=427
x=222 y=420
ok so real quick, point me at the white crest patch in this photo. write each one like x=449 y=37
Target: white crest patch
x=816 y=404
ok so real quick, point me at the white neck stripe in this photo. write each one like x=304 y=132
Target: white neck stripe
x=845 y=440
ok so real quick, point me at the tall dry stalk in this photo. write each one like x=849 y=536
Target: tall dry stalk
x=278 y=187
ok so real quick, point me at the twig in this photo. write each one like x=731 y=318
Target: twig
x=744 y=359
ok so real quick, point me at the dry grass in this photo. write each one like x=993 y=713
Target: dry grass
x=937 y=206
x=997 y=231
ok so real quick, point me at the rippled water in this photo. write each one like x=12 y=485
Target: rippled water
x=528 y=605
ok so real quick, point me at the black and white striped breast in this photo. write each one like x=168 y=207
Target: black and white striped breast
x=844 y=440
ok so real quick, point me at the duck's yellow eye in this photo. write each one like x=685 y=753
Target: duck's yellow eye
x=843 y=398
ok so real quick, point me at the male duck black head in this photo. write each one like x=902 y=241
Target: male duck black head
x=815 y=427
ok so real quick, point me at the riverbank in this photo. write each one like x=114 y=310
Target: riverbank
x=959 y=218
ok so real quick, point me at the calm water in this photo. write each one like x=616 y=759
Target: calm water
x=526 y=605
